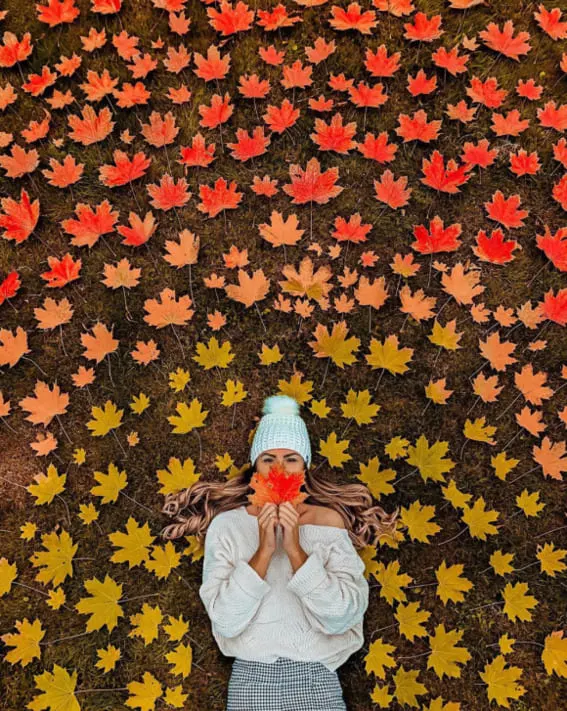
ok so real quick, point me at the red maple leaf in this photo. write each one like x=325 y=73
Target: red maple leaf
x=479 y=154
x=417 y=128
x=506 y=210
x=420 y=84
x=57 y=12
x=553 y=117
x=352 y=230
x=248 y=146
x=452 y=61
x=231 y=19
x=377 y=148
x=213 y=67
x=9 y=286
x=560 y=192
x=554 y=307
x=494 y=249
x=277 y=487
x=62 y=271
x=353 y=19
x=445 y=179
x=310 y=185
x=124 y=170
x=487 y=92
x=550 y=22
x=529 y=89
x=20 y=218
x=554 y=246
x=199 y=154
x=14 y=50
x=392 y=192
x=380 y=64
x=364 y=95
x=424 y=29
x=334 y=136
x=168 y=194
x=524 y=163
x=218 y=112
x=503 y=40
x=139 y=231
x=438 y=238
x=510 y=124
x=278 y=118
x=220 y=197
x=91 y=224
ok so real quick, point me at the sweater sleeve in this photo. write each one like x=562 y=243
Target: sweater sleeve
x=231 y=591
x=332 y=587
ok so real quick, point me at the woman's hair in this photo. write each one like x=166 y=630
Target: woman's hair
x=204 y=500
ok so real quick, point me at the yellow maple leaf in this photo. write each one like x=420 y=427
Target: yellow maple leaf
x=410 y=620
x=134 y=544
x=269 y=356
x=445 y=655
x=457 y=498
x=479 y=431
x=306 y=282
x=164 y=559
x=517 y=602
x=25 y=642
x=108 y=658
x=334 y=451
x=234 y=393
x=397 y=448
x=47 y=486
x=381 y=695
x=436 y=391
x=502 y=562
x=105 y=419
x=408 y=687
x=359 y=408
x=179 y=379
x=446 y=336
x=551 y=559
x=58 y=687
x=387 y=355
x=379 y=657
x=177 y=628
x=417 y=518
x=296 y=388
x=451 y=583
x=439 y=705
x=378 y=480
x=177 y=476
x=144 y=694
x=212 y=355
x=8 y=573
x=429 y=460
x=175 y=696
x=79 y=456
x=88 y=513
x=529 y=503
x=320 y=408
x=28 y=531
x=109 y=485
x=57 y=598
x=506 y=644
x=502 y=465
x=103 y=605
x=140 y=403
x=146 y=623
x=180 y=658
x=554 y=655
x=502 y=682
x=391 y=582
x=479 y=520
x=188 y=417
x=335 y=345
x=56 y=560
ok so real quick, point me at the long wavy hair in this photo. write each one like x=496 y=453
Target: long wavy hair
x=195 y=507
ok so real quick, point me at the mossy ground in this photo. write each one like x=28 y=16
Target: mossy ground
x=401 y=398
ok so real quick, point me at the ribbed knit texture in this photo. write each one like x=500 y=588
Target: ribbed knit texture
x=281 y=427
x=315 y=614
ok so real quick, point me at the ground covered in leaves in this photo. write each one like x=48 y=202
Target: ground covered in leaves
x=362 y=207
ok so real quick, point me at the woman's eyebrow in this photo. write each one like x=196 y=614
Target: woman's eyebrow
x=285 y=457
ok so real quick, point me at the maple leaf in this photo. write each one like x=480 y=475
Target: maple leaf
x=220 y=197
x=146 y=623
x=392 y=582
x=310 y=185
x=164 y=559
x=334 y=136
x=124 y=170
x=517 y=602
x=417 y=128
x=20 y=218
x=168 y=310
x=379 y=658
x=133 y=545
x=441 y=178
x=249 y=146
x=502 y=682
x=168 y=194
x=503 y=40
x=144 y=694
x=25 y=642
x=550 y=558
x=160 y=131
x=92 y=128
x=280 y=231
x=550 y=456
x=377 y=480
x=417 y=520
x=250 y=289
x=47 y=486
x=387 y=355
x=19 y=162
x=306 y=282
x=407 y=686
x=424 y=29
x=451 y=584
x=47 y=403
x=410 y=620
x=277 y=486
x=103 y=605
x=105 y=419
x=480 y=520
x=554 y=655
x=58 y=687
x=335 y=345
x=445 y=655
x=430 y=460
x=56 y=560
x=91 y=224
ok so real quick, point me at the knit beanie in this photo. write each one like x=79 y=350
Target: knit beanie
x=281 y=426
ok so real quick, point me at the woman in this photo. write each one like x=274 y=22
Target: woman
x=284 y=586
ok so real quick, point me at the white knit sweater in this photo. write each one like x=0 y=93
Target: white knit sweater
x=315 y=614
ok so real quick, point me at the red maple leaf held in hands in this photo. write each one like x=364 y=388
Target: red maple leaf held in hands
x=277 y=487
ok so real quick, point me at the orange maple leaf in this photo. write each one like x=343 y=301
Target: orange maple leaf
x=46 y=404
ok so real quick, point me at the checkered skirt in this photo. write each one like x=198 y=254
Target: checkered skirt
x=284 y=685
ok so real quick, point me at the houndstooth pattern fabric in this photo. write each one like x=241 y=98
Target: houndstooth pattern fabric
x=284 y=685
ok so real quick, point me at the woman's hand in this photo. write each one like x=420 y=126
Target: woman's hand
x=267 y=523
x=289 y=519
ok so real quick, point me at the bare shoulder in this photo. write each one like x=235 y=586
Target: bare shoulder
x=330 y=517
